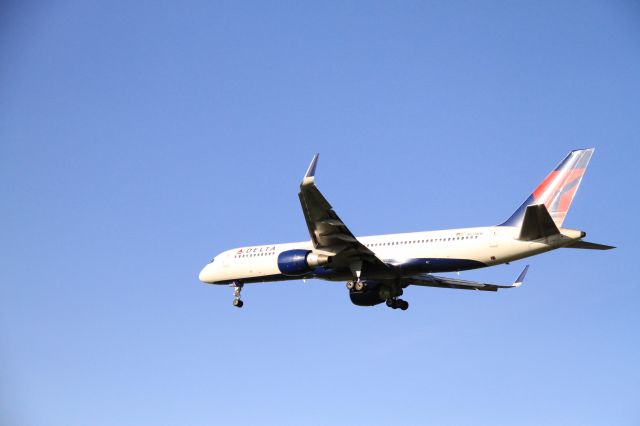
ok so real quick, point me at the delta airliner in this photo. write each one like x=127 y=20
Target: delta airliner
x=378 y=268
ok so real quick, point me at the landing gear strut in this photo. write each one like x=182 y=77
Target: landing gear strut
x=237 y=302
x=395 y=303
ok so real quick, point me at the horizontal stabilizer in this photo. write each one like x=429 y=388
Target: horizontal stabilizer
x=537 y=223
x=589 y=246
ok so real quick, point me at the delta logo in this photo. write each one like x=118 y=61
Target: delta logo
x=262 y=249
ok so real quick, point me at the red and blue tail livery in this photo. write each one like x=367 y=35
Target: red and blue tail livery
x=557 y=190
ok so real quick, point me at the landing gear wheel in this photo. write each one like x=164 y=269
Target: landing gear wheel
x=398 y=304
x=236 y=294
x=360 y=286
x=350 y=285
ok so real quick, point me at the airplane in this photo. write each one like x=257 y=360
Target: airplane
x=378 y=268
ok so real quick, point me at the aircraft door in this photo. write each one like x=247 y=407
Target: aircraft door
x=493 y=240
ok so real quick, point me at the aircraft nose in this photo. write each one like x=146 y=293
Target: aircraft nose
x=205 y=274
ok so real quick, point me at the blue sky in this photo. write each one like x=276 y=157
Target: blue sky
x=138 y=139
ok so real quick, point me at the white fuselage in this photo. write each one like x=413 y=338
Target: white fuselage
x=417 y=252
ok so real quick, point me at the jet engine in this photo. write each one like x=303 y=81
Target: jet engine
x=300 y=262
x=372 y=294
x=367 y=297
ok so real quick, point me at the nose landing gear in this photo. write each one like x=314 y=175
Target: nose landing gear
x=237 y=302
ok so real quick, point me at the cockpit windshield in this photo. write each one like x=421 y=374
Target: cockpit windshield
x=212 y=259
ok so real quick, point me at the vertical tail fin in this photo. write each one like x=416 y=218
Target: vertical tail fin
x=557 y=190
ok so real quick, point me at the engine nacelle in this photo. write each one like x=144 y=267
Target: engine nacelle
x=370 y=296
x=300 y=262
x=374 y=293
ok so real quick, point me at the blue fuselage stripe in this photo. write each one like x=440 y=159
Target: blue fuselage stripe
x=404 y=267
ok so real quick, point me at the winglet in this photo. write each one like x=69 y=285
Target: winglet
x=520 y=278
x=309 y=177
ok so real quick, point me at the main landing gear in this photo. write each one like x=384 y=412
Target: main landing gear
x=396 y=303
x=237 y=302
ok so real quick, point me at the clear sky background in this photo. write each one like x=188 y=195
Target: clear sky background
x=139 y=139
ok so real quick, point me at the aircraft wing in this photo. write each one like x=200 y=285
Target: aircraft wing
x=328 y=232
x=446 y=282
